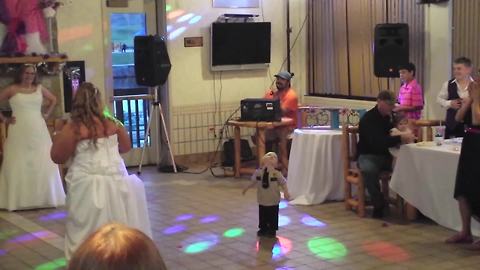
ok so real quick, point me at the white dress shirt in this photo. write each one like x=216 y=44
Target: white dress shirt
x=442 y=97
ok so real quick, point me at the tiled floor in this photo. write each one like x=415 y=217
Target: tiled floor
x=202 y=222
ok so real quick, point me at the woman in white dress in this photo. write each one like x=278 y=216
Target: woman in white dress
x=28 y=177
x=100 y=191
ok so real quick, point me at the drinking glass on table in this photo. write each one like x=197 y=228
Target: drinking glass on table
x=439 y=133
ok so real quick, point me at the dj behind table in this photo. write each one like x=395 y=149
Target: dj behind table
x=261 y=114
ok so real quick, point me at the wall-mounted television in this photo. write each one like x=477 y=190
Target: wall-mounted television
x=237 y=46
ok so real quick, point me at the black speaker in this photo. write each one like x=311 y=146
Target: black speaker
x=152 y=63
x=391 y=49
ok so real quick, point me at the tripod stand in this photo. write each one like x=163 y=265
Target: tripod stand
x=156 y=109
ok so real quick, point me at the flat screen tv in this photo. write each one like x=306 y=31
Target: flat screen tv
x=237 y=46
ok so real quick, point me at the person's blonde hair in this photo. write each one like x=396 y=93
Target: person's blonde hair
x=269 y=155
x=117 y=247
x=87 y=106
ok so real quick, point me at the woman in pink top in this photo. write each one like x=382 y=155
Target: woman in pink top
x=410 y=96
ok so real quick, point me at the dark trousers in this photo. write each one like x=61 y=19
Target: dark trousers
x=371 y=166
x=268 y=218
x=458 y=132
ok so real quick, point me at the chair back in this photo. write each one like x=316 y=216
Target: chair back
x=425 y=129
x=349 y=147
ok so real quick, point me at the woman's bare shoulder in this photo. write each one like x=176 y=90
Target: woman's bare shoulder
x=11 y=87
x=111 y=127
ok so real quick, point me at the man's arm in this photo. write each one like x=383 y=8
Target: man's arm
x=442 y=97
x=376 y=137
x=290 y=104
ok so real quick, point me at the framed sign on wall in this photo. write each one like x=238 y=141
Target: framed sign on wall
x=236 y=3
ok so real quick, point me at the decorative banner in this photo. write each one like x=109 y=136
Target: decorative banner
x=236 y=3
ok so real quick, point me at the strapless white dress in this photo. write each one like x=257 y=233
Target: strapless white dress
x=28 y=177
x=100 y=191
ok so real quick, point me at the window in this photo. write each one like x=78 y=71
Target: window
x=341 y=36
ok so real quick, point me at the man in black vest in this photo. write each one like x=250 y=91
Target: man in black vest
x=452 y=93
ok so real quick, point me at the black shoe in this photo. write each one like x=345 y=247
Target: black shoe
x=261 y=233
x=378 y=213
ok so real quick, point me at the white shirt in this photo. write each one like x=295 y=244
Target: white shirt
x=442 y=97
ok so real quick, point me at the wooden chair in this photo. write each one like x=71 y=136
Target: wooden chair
x=352 y=174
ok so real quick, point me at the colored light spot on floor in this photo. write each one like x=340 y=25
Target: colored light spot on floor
x=281 y=248
x=54 y=216
x=209 y=219
x=56 y=264
x=184 y=217
x=234 y=233
x=283 y=204
x=327 y=248
x=311 y=221
x=32 y=236
x=283 y=220
x=174 y=229
x=199 y=243
x=387 y=252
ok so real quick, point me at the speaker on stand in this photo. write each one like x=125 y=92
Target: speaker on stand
x=152 y=66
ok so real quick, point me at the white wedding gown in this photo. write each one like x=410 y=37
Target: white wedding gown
x=100 y=191
x=28 y=177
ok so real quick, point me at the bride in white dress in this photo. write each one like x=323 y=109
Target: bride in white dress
x=28 y=177
x=100 y=191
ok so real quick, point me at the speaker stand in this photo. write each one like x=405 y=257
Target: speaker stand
x=156 y=109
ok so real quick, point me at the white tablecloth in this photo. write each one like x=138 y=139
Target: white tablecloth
x=315 y=172
x=425 y=177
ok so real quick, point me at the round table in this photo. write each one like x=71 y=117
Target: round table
x=315 y=171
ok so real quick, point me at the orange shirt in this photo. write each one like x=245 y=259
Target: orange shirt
x=288 y=102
